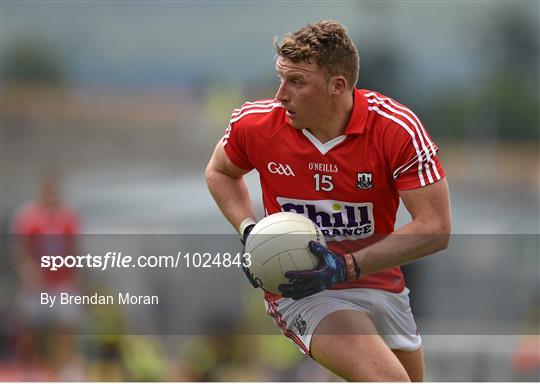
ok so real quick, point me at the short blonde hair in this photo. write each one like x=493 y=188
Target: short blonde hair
x=325 y=43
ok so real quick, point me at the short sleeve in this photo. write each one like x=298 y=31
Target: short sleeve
x=235 y=141
x=411 y=153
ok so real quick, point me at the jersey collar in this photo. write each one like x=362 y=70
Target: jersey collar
x=357 y=123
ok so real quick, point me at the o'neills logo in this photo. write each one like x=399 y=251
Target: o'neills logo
x=338 y=220
x=323 y=167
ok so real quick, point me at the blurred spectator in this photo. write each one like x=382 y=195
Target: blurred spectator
x=46 y=226
x=526 y=355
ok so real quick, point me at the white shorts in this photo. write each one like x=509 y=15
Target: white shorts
x=390 y=313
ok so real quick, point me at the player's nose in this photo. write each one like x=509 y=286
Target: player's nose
x=281 y=93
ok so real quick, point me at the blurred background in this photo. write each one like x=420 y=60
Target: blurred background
x=115 y=107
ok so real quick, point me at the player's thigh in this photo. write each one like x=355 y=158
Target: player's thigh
x=413 y=362
x=346 y=342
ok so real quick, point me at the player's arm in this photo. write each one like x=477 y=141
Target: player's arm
x=26 y=268
x=428 y=231
x=225 y=183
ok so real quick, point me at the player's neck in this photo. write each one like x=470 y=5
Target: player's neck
x=49 y=203
x=336 y=124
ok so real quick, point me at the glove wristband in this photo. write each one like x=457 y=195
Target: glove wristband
x=244 y=224
x=353 y=271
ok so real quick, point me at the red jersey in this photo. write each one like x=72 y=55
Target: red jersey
x=349 y=185
x=48 y=232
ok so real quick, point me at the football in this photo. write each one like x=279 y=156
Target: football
x=278 y=244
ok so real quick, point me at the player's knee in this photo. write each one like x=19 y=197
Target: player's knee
x=379 y=374
x=398 y=376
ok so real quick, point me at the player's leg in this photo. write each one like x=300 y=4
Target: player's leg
x=394 y=320
x=346 y=342
x=413 y=362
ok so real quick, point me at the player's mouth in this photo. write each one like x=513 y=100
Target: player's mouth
x=291 y=114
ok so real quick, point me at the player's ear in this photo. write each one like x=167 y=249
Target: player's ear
x=338 y=85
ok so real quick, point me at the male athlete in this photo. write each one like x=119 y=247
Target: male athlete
x=342 y=157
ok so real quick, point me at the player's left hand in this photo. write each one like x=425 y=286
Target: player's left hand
x=332 y=269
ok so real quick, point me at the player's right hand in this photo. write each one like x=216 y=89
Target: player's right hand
x=246 y=270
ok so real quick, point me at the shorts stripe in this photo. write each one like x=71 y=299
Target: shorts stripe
x=278 y=319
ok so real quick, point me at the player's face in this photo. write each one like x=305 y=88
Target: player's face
x=303 y=91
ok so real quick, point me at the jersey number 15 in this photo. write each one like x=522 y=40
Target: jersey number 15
x=323 y=182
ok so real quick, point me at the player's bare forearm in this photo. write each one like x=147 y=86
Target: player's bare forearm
x=427 y=233
x=399 y=248
x=232 y=197
x=228 y=188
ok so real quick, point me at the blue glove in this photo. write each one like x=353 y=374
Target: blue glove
x=332 y=269
x=246 y=270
